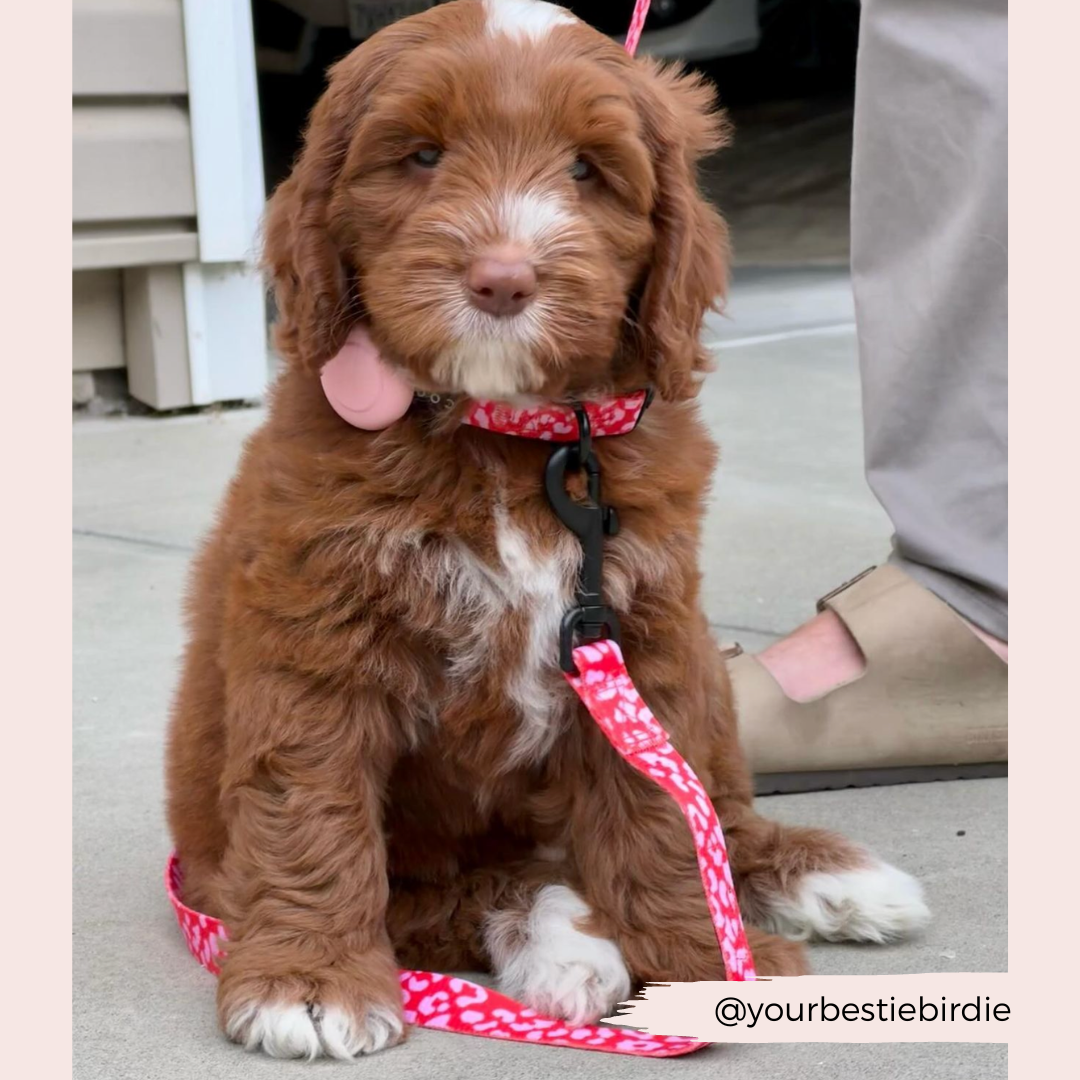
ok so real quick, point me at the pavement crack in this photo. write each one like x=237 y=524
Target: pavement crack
x=159 y=545
x=746 y=629
x=814 y=330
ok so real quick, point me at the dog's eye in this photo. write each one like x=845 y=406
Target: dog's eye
x=582 y=169
x=427 y=157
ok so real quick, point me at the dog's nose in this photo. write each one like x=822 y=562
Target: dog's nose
x=501 y=282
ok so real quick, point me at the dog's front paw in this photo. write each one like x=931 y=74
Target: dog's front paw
x=349 y=1009
x=543 y=960
x=285 y=1029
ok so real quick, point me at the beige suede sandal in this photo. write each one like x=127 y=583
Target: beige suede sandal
x=931 y=704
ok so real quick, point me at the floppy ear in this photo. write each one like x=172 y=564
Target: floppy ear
x=314 y=289
x=688 y=272
x=311 y=284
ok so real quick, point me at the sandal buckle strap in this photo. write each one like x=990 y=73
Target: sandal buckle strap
x=823 y=603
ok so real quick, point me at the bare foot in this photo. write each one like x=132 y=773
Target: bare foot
x=821 y=655
x=817 y=657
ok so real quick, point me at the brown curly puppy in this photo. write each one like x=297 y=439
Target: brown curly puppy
x=374 y=759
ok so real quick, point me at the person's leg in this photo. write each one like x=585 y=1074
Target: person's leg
x=929 y=271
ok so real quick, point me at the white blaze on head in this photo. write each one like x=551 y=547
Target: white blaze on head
x=525 y=20
x=531 y=218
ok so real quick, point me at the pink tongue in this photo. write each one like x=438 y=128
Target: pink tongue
x=362 y=389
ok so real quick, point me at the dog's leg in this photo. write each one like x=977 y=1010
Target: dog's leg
x=812 y=884
x=309 y=970
x=524 y=922
x=196 y=743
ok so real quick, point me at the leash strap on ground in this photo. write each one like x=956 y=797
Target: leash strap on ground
x=447 y=1003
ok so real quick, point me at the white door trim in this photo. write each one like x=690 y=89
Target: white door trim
x=228 y=356
x=227 y=146
x=224 y=298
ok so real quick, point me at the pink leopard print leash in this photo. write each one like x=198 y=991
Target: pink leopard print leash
x=612 y=700
x=637 y=24
x=451 y=1004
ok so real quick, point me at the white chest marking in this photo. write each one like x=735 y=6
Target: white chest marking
x=543 y=583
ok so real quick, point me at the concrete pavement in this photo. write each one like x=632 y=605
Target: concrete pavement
x=791 y=517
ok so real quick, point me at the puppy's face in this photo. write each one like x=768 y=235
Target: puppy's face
x=509 y=201
x=498 y=199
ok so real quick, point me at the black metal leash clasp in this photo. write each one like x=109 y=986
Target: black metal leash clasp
x=590 y=618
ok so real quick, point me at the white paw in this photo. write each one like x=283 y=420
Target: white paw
x=545 y=961
x=876 y=902
x=300 y=1031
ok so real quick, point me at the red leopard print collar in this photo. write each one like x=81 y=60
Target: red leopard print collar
x=555 y=421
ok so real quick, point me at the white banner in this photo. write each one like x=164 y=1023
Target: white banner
x=949 y=1007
